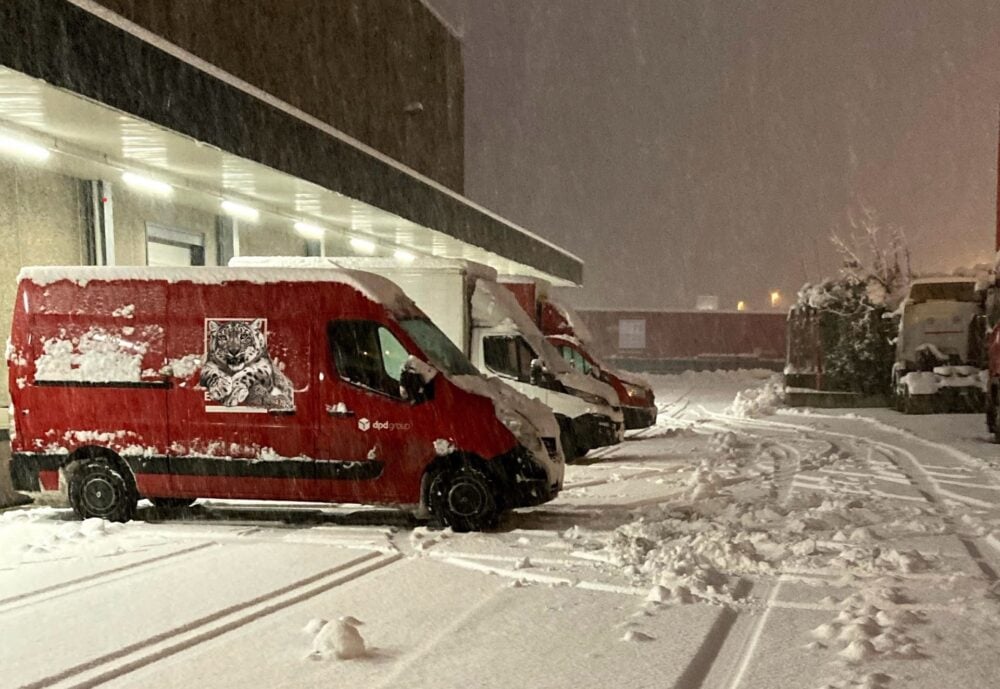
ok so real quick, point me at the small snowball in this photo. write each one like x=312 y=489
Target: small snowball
x=859 y=651
x=633 y=635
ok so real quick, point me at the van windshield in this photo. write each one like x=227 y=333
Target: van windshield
x=943 y=291
x=439 y=349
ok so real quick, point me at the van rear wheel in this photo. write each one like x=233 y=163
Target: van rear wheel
x=462 y=498
x=98 y=489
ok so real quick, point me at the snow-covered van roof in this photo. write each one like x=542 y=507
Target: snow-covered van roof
x=371 y=263
x=375 y=287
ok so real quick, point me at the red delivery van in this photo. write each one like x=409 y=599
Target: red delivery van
x=308 y=385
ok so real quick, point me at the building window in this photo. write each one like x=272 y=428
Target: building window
x=632 y=333
x=167 y=246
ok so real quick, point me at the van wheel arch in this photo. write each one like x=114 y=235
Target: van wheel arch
x=96 y=463
x=473 y=471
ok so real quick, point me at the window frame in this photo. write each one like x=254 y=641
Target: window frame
x=334 y=325
x=516 y=339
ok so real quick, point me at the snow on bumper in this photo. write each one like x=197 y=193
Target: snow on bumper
x=944 y=378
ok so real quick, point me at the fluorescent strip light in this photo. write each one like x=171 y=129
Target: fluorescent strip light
x=404 y=256
x=310 y=231
x=24 y=149
x=238 y=210
x=146 y=184
x=363 y=245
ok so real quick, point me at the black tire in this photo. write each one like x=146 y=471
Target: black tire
x=99 y=489
x=463 y=498
x=172 y=503
x=571 y=451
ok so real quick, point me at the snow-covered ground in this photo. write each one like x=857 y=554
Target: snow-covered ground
x=733 y=545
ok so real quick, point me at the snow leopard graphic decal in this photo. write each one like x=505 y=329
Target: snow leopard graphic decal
x=239 y=374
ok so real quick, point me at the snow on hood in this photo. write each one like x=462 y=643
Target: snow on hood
x=376 y=288
x=526 y=418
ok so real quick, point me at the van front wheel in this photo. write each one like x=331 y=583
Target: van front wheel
x=462 y=498
x=97 y=489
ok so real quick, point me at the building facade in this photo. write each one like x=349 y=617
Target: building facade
x=387 y=73
x=119 y=146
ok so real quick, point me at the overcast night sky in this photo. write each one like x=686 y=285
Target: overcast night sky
x=712 y=146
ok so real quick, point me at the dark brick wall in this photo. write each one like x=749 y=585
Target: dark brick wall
x=355 y=64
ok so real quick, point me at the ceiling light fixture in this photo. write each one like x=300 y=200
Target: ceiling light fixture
x=238 y=210
x=24 y=149
x=154 y=186
x=363 y=245
x=309 y=231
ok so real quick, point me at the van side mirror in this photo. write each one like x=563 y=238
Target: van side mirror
x=538 y=371
x=416 y=380
x=414 y=388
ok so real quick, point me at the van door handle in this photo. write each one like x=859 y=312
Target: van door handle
x=338 y=411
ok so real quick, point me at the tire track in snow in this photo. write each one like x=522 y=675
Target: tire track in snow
x=94 y=579
x=922 y=480
x=105 y=668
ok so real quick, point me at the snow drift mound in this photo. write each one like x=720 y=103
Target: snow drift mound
x=762 y=401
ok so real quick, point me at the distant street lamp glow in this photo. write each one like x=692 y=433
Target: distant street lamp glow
x=404 y=256
x=310 y=231
x=142 y=183
x=775 y=299
x=238 y=210
x=363 y=245
x=741 y=306
x=23 y=149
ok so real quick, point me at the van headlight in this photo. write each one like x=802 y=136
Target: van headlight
x=635 y=391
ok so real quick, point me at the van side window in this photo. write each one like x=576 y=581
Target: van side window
x=509 y=356
x=575 y=359
x=567 y=354
x=365 y=353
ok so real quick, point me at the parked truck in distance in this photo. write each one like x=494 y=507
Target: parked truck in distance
x=485 y=321
x=569 y=335
x=306 y=385
x=940 y=359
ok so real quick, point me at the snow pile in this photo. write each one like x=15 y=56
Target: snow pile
x=735 y=520
x=96 y=356
x=870 y=625
x=760 y=401
x=340 y=640
x=42 y=534
x=683 y=557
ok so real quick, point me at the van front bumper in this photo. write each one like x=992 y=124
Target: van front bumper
x=639 y=417
x=596 y=430
x=525 y=481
